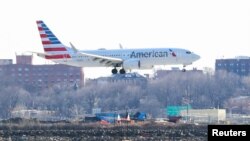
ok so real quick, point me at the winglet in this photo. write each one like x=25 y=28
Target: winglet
x=73 y=47
x=120 y=45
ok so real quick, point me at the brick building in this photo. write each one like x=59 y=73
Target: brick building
x=42 y=75
x=24 y=59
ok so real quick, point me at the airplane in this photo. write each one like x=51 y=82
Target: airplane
x=123 y=59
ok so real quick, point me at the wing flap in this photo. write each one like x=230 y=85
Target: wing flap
x=107 y=61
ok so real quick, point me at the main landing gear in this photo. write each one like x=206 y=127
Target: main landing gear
x=114 y=71
x=121 y=71
x=184 y=70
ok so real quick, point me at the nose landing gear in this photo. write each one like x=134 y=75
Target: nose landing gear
x=184 y=70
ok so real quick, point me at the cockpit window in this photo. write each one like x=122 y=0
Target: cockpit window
x=188 y=52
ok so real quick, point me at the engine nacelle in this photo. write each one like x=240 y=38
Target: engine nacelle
x=131 y=64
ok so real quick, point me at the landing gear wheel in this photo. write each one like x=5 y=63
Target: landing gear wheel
x=114 y=71
x=122 y=71
x=184 y=70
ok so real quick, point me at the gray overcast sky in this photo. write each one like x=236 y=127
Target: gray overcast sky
x=210 y=28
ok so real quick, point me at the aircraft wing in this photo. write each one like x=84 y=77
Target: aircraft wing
x=107 y=61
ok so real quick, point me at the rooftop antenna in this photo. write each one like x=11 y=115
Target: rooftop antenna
x=120 y=45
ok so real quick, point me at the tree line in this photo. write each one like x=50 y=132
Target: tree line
x=176 y=88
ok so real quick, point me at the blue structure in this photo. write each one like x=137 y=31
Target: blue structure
x=109 y=117
x=139 y=116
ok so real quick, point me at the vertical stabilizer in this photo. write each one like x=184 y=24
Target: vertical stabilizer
x=51 y=44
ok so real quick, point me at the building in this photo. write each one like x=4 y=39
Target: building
x=239 y=105
x=33 y=114
x=205 y=115
x=24 y=59
x=130 y=78
x=23 y=72
x=163 y=73
x=238 y=65
x=5 y=61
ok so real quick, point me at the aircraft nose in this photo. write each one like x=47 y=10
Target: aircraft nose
x=196 y=57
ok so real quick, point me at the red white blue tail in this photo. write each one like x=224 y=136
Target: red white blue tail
x=51 y=43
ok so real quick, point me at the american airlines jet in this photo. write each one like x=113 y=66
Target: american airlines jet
x=124 y=59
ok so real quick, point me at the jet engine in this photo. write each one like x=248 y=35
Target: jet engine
x=131 y=64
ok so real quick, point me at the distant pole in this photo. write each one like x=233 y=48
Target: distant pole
x=218 y=113
x=187 y=103
x=187 y=113
x=127 y=121
x=114 y=118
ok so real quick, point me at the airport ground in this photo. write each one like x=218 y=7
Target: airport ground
x=37 y=131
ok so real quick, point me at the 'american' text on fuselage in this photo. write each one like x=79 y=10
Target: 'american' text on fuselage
x=149 y=54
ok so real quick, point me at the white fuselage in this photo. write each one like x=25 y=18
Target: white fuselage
x=127 y=59
x=147 y=57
